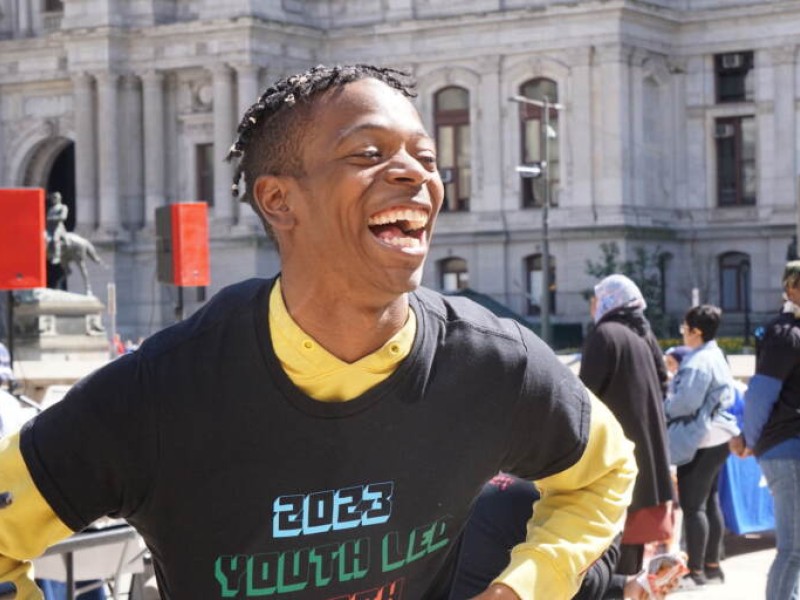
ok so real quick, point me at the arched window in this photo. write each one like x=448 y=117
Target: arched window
x=453 y=145
x=535 y=140
x=535 y=283
x=734 y=282
x=453 y=274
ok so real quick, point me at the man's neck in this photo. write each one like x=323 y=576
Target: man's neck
x=343 y=324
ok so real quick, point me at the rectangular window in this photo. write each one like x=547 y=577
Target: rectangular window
x=736 y=160
x=54 y=5
x=729 y=277
x=734 y=77
x=734 y=282
x=533 y=189
x=537 y=286
x=453 y=144
x=204 y=165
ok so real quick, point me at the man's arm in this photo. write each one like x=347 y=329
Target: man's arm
x=581 y=510
x=776 y=359
x=761 y=396
x=27 y=526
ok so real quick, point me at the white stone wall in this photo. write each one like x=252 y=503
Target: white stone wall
x=137 y=84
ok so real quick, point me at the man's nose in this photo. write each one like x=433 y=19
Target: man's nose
x=406 y=168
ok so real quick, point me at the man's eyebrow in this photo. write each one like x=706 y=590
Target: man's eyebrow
x=348 y=132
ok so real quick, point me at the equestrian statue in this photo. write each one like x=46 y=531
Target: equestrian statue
x=66 y=248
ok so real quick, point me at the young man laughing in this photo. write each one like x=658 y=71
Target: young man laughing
x=322 y=434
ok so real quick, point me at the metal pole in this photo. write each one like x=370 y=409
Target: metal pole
x=544 y=124
x=10 y=325
x=746 y=289
x=179 y=305
x=111 y=300
x=545 y=300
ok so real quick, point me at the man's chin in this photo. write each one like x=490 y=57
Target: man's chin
x=405 y=282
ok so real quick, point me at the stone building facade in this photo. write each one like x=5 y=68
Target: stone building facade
x=673 y=128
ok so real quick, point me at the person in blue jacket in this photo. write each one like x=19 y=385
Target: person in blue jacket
x=772 y=432
x=699 y=427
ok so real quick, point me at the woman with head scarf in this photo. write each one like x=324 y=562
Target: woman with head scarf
x=622 y=364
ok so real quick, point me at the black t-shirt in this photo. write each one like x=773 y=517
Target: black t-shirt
x=779 y=358
x=242 y=486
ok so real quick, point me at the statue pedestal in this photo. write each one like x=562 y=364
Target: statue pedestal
x=53 y=325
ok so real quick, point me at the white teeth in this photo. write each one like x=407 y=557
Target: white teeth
x=416 y=219
x=404 y=242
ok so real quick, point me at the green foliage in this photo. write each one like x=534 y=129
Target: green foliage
x=669 y=342
x=643 y=269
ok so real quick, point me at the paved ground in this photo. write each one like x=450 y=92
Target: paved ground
x=748 y=560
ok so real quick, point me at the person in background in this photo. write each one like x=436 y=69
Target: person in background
x=497 y=524
x=323 y=433
x=623 y=365
x=12 y=415
x=673 y=357
x=772 y=432
x=700 y=427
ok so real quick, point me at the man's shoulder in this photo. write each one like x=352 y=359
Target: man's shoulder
x=231 y=303
x=783 y=331
x=454 y=310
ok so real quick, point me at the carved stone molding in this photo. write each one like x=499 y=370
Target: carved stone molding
x=639 y=56
x=579 y=57
x=606 y=53
x=783 y=55
x=152 y=77
x=677 y=65
x=488 y=64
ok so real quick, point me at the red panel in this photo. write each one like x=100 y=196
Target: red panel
x=190 y=263
x=22 y=242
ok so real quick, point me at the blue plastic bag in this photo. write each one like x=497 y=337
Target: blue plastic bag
x=743 y=493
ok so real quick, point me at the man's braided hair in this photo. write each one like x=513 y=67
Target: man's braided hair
x=271 y=133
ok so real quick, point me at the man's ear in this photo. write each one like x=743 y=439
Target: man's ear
x=271 y=195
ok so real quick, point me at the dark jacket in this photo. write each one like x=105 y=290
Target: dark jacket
x=778 y=357
x=623 y=365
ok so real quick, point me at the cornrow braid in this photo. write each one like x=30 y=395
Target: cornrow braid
x=269 y=134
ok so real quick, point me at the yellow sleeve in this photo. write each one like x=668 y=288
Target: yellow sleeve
x=27 y=526
x=578 y=515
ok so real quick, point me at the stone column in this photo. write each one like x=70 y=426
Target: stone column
x=579 y=120
x=767 y=126
x=698 y=176
x=131 y=180
x=638 y=149
x=4 y=177
x=108 y=151
x=611 y=127
x=86 y=209
x=679 y=119
x=488 y=156
x=25 y=18
x=784 y=144
x=249 y=89
x=154 y=144
x=224 y=135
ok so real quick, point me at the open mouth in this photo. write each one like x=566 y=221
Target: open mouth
x=400 y=227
